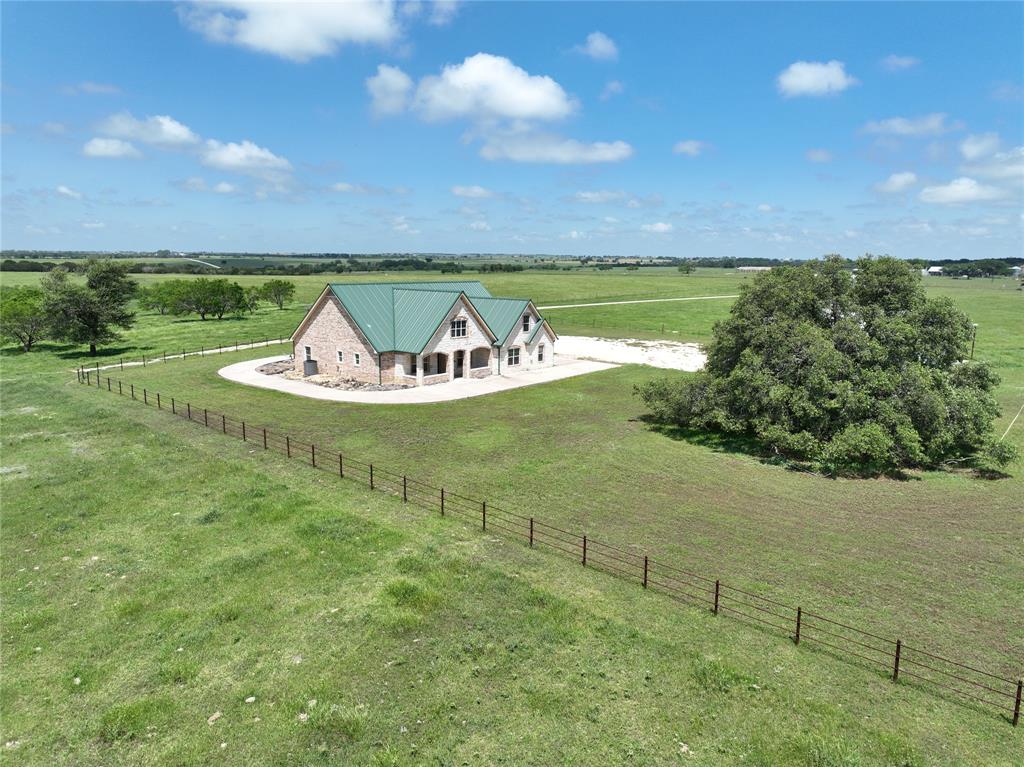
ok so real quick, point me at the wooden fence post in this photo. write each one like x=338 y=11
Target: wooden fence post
x=896 y=664
x=584 y=551
x=796 y=636
x=243 y=432
x=371 y=476
x=531 y=532
x=341 y=466
x=264 y=439
x=206 y=418
x=483 y=513
x=1016 y=703
x=224 y=424
x=717 y=589
x=312 y=453
x=165 y=356
x=405 y=489
x=189 y=404
x=158 y=405
x=108 y=384
x=143 y=360
x=645 y=571
x=133 y=391
x=288 y=445
x=202 y=351
x=173 y=410
x=442 y=501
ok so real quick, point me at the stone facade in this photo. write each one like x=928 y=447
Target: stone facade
x=329 y=329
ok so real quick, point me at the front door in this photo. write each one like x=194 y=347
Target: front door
x=458 y=363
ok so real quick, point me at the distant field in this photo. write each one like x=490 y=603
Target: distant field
x=244 y=579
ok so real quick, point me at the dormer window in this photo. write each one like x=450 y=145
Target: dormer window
x=526 y=323
x=458 y=328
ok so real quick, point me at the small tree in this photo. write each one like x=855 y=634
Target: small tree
x=252 y=298
x=686 y=268
x=207 y=297
x=162 y=296
x=23 y=317
x=90 y=313
x=278 y=292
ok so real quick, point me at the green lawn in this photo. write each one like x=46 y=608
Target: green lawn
x=483 y=651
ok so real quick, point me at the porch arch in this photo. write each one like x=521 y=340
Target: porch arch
x=480 y=357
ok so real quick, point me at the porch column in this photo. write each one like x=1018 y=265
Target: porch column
x=419 y=370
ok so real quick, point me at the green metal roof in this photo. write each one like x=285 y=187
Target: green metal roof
x=418 y=313
x=502 y=315
x=536 y=329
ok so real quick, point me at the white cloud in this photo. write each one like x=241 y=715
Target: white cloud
x=110 y=147
x=473 y=192
x=976 y=146
x=159 y=130
x=91 y=89
x=612 y=88
x=193 y=184
x=1002 y=165
x=401 y=224
x=599 y=197
x=818 y=155
x=599 y=46
x=480 y=226
x=934 y=124
x=960 y=190
x=765 y=208
x=895 y=63
x=66 y=191
x=389 y=90
x=243 y=157
x=897 y=182
x=544 y=148
x=296 y=31
x=225 y=188
x=490 y=87
x=658 y=228
x=814 y=78
x=575 y=234
x=1007 y=91
x=93 y=225
x=443 y=11
x=690 y=147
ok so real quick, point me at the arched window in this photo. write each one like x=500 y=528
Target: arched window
x=480 y=358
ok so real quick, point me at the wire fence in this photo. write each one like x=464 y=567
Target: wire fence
x=143 y=359
x=887 y=655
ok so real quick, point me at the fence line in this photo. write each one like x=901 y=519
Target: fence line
x=889 y=655
x=202 y=351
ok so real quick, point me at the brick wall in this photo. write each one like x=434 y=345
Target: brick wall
x=330 y=329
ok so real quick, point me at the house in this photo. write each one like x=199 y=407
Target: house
x=418 y=333
x=934 y=271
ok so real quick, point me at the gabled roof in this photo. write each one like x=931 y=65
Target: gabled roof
x=404 y=316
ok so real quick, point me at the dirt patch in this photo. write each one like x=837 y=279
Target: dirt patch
x=13 y=471
x=276 y=368
x=672 y=355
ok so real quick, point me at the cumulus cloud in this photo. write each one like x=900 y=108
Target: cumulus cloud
x=473 y=192
x=296 y=31
x=612 y=88
x=93 y=225
x=159 y=130
x=894 y=63
x=225 y=188
x=243 y=157
x=598 y=46
x=443 y=11
x=690 y=147
x=113 y=148
x=1008 y=165
x=814 y=78
x=765 y=208
x=897 y=182
x=659 y=227
x=980 y=145
x=599 y=197
x=490 y=87
x=91 y=89
x=389 y=90
x=818 y=155
x=66 y=191
x=934 y=124
x=544 y=148
x=960 y=190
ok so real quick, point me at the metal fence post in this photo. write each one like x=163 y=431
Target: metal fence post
x=202 y=351
x=645 y=571
x=264 y=439
x=122 y=364
x=206 y=418
x=483 y=513
x=189 y=404
x=108 y=384
x=371 y=476
x=1016 y=703
x=796 y=636
x=133 y=391
x=173 y=410
x=158 y=405
x=224 y=424
x=243 y=432
x=288 y=445
x=405 y=489
x=442 y=501
x=143 y=360
x=717 y=590
x=896 y=664
x=584 y=551
x=312 y=453
x=531 y=532
x=165 y=356
x=119 y=391
x=341 y=466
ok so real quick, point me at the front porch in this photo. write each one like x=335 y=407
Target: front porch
x=444 y=367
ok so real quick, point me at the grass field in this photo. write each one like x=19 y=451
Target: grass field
x=447 y=646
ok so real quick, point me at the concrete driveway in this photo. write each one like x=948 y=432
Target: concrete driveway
x=564 y=367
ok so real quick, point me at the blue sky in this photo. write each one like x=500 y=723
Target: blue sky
x=687 y=129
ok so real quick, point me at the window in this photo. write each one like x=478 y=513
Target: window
x=540 y=353
x=309 y=352
x=526 y=323
x=458 y=328
x=355 y=360
x=513 y=356
x=412 y=364
x=341 y=356
x=480 y=358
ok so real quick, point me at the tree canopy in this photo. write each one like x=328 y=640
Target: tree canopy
x=90 y=313
x=857 y=374
x=23 y=317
